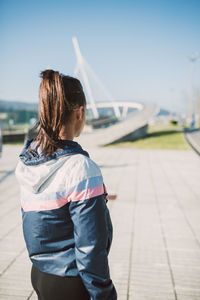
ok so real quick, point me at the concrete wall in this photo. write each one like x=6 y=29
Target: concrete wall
x=13 y=138
x=133 y=136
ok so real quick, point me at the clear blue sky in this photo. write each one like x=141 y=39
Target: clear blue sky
x=138 y=48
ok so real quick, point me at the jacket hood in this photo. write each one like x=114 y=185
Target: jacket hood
x=34 y=169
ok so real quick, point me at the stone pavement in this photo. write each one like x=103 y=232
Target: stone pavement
x=155 y=254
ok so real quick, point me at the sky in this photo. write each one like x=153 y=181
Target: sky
x=139 y=49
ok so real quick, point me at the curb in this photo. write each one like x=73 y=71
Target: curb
x=193 y=145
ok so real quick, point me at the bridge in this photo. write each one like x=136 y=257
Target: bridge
x=130 y=126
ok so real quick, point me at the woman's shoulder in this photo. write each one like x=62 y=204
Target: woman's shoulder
x=83 y=167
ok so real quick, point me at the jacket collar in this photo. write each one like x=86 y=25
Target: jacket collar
x=35 y=157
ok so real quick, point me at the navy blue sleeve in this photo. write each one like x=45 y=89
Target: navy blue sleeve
x=91 y=233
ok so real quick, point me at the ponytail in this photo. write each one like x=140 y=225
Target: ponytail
x=58 y=96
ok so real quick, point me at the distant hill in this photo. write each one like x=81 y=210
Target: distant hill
x=163 y=112
x=17 y=105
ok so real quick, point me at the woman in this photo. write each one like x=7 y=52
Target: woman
x=66 y=222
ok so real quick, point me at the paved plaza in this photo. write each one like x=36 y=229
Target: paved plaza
x=155 y=254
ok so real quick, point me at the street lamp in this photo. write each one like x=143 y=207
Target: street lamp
x=193 y=58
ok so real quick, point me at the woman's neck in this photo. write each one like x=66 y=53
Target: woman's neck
x=67 y=133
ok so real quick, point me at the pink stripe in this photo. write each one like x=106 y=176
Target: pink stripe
x=86 y=194
x=54 y=204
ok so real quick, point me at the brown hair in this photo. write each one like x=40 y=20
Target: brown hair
x=59 y=95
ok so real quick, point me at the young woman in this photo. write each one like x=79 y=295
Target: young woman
x=66 y=222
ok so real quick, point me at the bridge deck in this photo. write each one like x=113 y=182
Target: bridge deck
x=155 y=253
x=110 y=134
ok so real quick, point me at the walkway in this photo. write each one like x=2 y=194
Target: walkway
x=155 y=253
x=193 y=138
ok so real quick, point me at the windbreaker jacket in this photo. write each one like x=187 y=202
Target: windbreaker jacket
x=66 y=222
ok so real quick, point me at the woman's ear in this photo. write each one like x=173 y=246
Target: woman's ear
x=79 y=113
x=82 y=112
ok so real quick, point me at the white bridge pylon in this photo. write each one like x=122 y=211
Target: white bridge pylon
x=81 y=66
